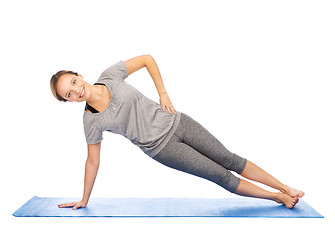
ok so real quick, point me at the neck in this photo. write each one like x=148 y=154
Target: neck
x=96 y=95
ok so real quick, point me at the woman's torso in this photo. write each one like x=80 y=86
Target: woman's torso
x=130 y=114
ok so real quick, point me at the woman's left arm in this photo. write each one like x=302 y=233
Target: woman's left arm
x=136 y=63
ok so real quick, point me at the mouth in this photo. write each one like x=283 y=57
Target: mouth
x=82 y=92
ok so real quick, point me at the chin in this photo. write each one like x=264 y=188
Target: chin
x=81 y=100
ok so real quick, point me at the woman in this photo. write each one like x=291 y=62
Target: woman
x=166 y=135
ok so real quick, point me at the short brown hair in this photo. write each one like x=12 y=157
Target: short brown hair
x=54 y=81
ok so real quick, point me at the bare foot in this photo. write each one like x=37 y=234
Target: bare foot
x=293 y=192
x=287 y=200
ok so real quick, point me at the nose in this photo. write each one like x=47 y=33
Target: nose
x=76 y=89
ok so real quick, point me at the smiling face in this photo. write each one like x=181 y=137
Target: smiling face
x=73 y=88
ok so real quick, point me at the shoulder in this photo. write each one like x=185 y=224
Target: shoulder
x=92 y=129
x=118 y=69
x=89 y=119
x=91 y=122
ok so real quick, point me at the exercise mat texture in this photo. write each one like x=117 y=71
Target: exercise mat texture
x=166 y=207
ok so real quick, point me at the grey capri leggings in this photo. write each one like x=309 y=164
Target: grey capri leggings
x=194 y=150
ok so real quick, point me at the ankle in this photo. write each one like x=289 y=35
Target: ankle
x=278 y=197
x=283 y=188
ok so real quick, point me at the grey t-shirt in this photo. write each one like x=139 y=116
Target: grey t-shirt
x=130 y=114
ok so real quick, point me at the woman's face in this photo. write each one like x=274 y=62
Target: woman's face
x=73 y=88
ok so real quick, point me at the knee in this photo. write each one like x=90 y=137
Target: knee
x=235 y=163
x=229 y=182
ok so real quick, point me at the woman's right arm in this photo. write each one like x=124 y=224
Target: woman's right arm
x=91 y=170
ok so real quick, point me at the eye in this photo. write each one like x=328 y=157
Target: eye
x=69 y=95
x=74 y=82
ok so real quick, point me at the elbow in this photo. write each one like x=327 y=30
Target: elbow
x=93 y=161
x=148 y=60
x=148 y=56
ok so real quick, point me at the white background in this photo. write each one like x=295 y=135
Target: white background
x=257 y=74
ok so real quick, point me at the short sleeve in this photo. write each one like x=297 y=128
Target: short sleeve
x=93 y=133
x=114 y=74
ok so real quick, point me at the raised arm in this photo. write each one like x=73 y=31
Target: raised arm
x=91 y=170
x=136 y=63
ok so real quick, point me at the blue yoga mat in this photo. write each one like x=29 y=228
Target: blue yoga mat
x=166 y=207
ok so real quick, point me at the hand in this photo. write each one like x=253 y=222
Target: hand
x=74 y=205
x=166 y=103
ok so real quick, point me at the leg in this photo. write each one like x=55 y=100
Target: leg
x=199 y=138
x=255 y=173
x=182 y=157
x=196 y=136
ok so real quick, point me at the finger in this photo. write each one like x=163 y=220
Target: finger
x=169 y=110
x=67 y=205
x=64 y=205
x=173 y=109
x=79 y=205
x=163 y=107
x=76 y=206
